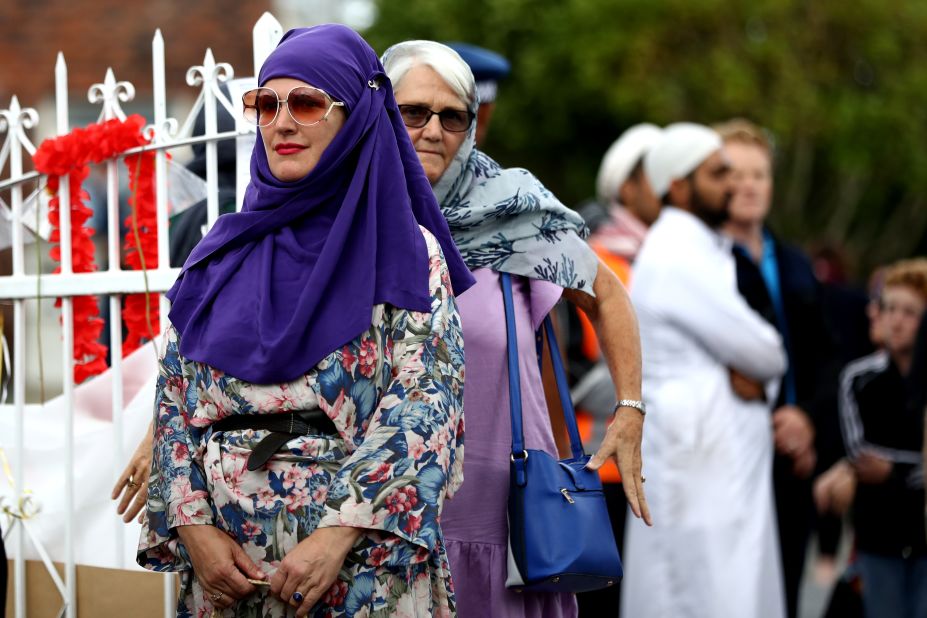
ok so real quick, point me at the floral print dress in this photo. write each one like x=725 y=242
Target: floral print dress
x=395 y=395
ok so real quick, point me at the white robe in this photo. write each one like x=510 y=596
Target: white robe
x=713 y=549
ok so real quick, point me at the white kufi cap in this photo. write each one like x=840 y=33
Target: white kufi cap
x=682 y=147
x=621 y=158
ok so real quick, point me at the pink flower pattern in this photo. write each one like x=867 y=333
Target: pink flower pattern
x=380 y=474
x=367 y=358
x=402 y=500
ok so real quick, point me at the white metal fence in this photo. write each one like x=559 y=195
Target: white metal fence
x=114 y=282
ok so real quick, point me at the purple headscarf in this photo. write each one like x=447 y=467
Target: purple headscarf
x=272 y=290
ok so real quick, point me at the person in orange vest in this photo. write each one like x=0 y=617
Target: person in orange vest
x=630 y=207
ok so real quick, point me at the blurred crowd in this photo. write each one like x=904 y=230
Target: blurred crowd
x=844 y=413
x=784 y=406
x=786 y=403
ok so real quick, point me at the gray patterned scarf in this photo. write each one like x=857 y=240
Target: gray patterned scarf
x=506 y=220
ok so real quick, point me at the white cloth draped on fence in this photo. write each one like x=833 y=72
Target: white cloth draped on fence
x=101 y=539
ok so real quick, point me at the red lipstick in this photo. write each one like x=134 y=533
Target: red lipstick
x=288 y=149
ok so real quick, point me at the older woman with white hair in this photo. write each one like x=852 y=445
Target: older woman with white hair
x=506 y=221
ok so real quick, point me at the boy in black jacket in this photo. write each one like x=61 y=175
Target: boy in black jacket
x=883 y=439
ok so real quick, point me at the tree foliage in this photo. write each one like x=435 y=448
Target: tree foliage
x=841 y=87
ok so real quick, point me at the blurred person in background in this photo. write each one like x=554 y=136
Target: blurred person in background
x=711 y=364
x=918 y=401
x=917 y=385
x=187 y=227
x=623 y=190
x=624 y=205
x=835 y=489
x=489 y=68
x=778 y=282
x=854 y=315
x=848 y=307
x=873 y=310
x=883 y=436
x=506 y=221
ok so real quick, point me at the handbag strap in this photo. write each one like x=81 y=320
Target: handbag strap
x=563 y=390
x=519 y=454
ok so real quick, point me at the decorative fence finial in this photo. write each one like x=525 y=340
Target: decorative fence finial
x=110 y=93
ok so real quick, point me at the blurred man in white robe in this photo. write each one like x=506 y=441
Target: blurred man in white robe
x=711 y=365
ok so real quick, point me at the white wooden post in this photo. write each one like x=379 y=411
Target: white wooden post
x=114 y=265
x=208 y=75
x=266 y=34
x=12 y=119
x=67 y=349
x=160 y=134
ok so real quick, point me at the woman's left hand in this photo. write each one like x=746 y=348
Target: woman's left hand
x=623 y=443
x=612 y=315
x=312 y=567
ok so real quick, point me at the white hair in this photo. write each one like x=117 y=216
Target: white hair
x=398 y=59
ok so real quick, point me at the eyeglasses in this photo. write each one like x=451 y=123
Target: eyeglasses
x=306 y=105
x=453 y=120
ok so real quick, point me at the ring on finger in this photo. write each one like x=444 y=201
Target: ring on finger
x=216 y=596
x=298 y=597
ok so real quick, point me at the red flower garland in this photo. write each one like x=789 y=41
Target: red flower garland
x=140 y=313
x=72 y=154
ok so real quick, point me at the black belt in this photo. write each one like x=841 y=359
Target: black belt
x=283 y=428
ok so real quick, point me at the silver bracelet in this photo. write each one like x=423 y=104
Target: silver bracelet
x=630 y=403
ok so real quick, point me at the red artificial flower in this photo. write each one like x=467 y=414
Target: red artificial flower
x=71 y=154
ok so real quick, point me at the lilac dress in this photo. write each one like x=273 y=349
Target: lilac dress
x=474 y=521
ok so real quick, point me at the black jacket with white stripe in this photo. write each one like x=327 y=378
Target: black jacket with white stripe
x=874 y=415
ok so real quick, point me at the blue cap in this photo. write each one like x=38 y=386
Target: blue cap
x=488 y=67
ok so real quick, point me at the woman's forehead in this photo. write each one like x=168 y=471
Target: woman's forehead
x=422 y=85
x=282 y=85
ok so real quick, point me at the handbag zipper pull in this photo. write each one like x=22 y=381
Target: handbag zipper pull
x=566 y=494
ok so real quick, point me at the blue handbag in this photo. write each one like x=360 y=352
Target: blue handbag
x=560 y=535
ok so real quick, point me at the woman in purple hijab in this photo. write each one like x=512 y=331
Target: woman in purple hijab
x=308 y=418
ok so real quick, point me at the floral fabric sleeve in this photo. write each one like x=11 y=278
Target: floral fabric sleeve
x=409 y=455
x=177 y=490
